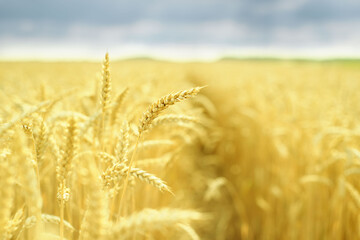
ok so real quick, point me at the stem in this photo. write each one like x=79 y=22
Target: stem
x=133 y=210
x=62 y=206
x=37 y=172
x=128 y=173
x=112 y=206
x=102 y=131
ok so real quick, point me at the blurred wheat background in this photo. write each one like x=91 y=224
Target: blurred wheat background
x=267 y=150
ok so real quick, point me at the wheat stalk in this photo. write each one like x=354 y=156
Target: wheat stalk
x=353 y=192
x=117 y=104
x=105 y=97
x=6 y=187
x=17 y=119
x=14 y=224
x=31 y=221
x=150 y=219
x=118 y=171
x=173 y=118
x=95 y=223
x=150 y=114
x=40 y=142
x=106 y=85
x=64 y=168
x=163 y=103
x=122 y=145
x=69 y=151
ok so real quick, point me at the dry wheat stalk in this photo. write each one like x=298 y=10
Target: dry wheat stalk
x=151 y=113
x=47 y=218
x=316 y=179
x=156 y=108
x=28 y=178
x=91 y=121
x=31 y=221
x=6 y=187
x=17 y=119
x=118 y=171
x=149 y=220
x=189 y=230
x=117 y=104
x=106 y=158
x=105 y=101
x=69 y=151
x=106 y=85
x=63 y=168
x=122 y=145
x=54 y=148
x=173 y=118
x=95 y=223
x=13 y=225
x=41 y=142
x=353 y=192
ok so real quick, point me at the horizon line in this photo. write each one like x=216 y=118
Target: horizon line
x=177 y=53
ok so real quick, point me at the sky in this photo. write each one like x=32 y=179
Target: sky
x=179 y=29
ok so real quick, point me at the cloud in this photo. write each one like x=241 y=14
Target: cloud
x=230 y=23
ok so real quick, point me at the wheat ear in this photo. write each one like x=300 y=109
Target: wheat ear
x=40 y=143
x=117 y=104
x=6 y=187
x=31 y=221
x=150 y=114
x=151 y=219
x=64 y=168
x=14 y=224
x=163 y=103
x=33 y=195
x=26 y=168
x=106 y=85
x=17 y=119
x=118 y=171
x=95 y=223
x=189 y=230
x=68 y=153
x=122 y=145
x=105 y=96
x=173 y=118
x=353 y=193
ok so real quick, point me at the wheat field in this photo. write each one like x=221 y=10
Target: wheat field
x=143 y=149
